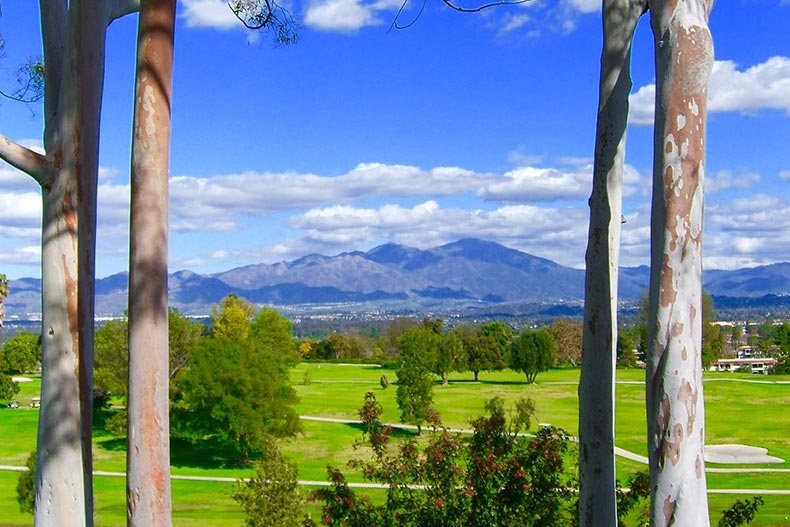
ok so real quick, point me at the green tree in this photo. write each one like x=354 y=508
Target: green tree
x=26 y=485
x=335 y=346
x=482 y=352
x=415 y=378
x=502 y=334
x=237 y=388
x=449 y=356
x=271 y=497
x=568 y=335
x=111 y=358
x=499 y=477
x=232 y=317
x=183 y=338
x=111 y=369
x=532 y=352
x=712 y=337
x=8 y=388
x=21 y=353
x=626 y=357
x=741 y=512
x=390 y=338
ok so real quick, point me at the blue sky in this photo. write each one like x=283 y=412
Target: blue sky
x=462 y=125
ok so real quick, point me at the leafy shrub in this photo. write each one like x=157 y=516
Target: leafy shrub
x=498 y=477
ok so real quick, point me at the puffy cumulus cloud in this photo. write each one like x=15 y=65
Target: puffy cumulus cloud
x=12 y=180
x=761 y=87
x=528 y=184
x=727 y=179
x=20 y=255
x=511 y=23
x=208 y=14
x=585 y=6
x=533 y=185
x=215 y=203
x=784 y=175
x=345 y=16
x=20 y=210
x=748 y=231
x=342 y=216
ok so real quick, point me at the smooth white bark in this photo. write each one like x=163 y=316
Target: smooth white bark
x=675 y=408
x=597 y=493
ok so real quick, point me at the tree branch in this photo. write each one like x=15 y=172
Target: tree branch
x=479 y=8
x=32 y=163
x=453 y=6
x=121 y=8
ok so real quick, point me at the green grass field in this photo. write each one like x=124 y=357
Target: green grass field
x=738 y=411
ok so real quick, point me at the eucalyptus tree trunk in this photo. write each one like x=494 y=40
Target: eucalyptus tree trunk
x=675 y=409
x=597 y=498
x=148 y=449
x=73 y=38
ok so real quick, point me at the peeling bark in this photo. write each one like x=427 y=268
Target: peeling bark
x=148 y=449
x=675 y=411
x=597 y=498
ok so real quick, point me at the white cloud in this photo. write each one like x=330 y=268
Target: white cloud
x=21 y=255
x=539 y=184
x=513 y=22
x=784 y=175
x=586 y=6
x=726 y=179
x=20 y=210
x=748 y=231
x=208 y=14
x=765 y=86
x=215 y=203
x=345 y=16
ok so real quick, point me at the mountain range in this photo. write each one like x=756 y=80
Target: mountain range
x=468 y=272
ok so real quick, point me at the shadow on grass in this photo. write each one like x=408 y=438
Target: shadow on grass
x=207 y=453
x=397 y=433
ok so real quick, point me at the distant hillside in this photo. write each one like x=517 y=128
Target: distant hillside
x=466 y=273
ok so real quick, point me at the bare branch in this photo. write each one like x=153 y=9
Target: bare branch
x=30 y=78
x=451 y=5
x=26 y=160
x=259 y=14
x=479 y=8
x=121 y=8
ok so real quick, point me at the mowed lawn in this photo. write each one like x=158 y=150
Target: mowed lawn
x=744 y=409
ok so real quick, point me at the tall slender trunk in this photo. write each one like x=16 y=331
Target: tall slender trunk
x=148 y=452
x=64 y=461
x=675 y=409
x=597 y=498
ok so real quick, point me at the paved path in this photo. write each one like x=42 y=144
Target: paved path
x=311 y=483
x=627 y=454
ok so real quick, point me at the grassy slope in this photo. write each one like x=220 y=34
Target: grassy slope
x=737 y=412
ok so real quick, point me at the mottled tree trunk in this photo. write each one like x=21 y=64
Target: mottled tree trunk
x=597 y=499
x=675 y=410
x=148 y=452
